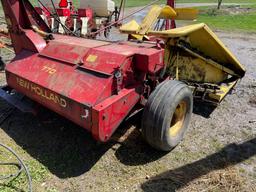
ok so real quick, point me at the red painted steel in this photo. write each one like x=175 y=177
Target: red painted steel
x=63 y=4
x=88 y=12
x=66 y=12
x=93 y=83
x=108 y=114
x=170 y=24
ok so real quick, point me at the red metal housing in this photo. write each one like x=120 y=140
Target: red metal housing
x=88 y=12
x=66 y=12
x=93 y=83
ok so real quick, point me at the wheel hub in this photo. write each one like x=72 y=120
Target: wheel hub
x=178 y=119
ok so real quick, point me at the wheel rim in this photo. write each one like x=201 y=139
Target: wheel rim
x=178 y=119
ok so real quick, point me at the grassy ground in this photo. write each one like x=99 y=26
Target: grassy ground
x=135 y=3
x=230 y=18
x=241 y=22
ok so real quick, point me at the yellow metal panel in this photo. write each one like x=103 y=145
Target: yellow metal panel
x=196 y=70
x=157 y=12
x=193 y=53
x=207 y=60
x=167 y=13
x=130 y=27
x=224 y=90
x=186 y=13
x=201 y=38
x=138 y=37
x=150 y=19
x=178 y=32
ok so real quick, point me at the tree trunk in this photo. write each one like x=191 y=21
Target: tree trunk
x=219 y=4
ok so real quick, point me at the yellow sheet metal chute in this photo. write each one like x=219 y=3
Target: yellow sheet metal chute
x=198 y=57
x=194 y=54
x=201 y=39
x=157 y=12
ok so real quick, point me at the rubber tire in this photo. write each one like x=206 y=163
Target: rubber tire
x=158 y=113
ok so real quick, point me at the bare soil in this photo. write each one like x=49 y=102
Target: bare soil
x=217 y=154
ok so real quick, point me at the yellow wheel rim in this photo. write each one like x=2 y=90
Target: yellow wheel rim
x=178 y=119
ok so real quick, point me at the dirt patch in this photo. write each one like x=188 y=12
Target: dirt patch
x=252 y=101
x=236 y=9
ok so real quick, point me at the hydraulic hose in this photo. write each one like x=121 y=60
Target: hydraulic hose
x=21 y=165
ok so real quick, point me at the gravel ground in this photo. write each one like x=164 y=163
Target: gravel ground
x=217 y=154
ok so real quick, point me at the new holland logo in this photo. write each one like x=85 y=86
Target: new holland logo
x=50 y=96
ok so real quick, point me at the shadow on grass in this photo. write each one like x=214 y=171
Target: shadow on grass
x=68 y=150
x=134 y=150
x=6 y=187
x=64 y=148
x=174 y=179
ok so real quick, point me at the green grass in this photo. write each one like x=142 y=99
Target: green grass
x=215 y=1
x=224 y=20
x=37 y=171
x=134 y=3
x=240 y=22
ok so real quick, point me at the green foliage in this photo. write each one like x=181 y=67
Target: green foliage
x=240 y=22
x=212 y=12
x=134 y=3
x=38 y=174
